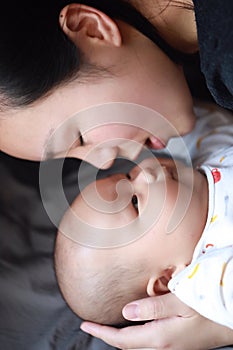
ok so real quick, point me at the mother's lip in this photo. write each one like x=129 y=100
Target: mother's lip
x=155 y=143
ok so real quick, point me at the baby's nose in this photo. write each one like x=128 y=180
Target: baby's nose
x=144 y=177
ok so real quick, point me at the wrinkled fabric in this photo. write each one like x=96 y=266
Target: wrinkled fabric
x=215 y=36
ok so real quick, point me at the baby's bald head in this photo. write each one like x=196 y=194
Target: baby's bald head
x=97 y=283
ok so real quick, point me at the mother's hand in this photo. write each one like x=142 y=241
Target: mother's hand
x=175 y=327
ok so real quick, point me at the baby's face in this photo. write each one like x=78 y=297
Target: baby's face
x=163 y=198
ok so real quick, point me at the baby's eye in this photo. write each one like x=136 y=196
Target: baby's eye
x=135 y=202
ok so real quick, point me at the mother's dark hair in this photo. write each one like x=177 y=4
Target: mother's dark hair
x=35 y=54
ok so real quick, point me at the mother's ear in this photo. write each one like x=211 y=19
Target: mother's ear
x=81 y=22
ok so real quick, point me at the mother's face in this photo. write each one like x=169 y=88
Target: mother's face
x=140 y=73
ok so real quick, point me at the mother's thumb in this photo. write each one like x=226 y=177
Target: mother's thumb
x=154 y=308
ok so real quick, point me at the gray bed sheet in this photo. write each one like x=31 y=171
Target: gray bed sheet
x=33 y=314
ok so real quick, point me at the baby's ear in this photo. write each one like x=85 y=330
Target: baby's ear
x=158 y=285
x=81 y=22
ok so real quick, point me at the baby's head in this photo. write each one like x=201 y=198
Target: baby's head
x=98 y=282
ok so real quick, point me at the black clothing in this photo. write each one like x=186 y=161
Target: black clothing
x=215 y=34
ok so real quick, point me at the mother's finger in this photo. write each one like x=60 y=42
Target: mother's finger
x=155 y=308
x=133 y=337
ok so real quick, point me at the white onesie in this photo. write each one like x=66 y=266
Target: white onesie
x=206 y=285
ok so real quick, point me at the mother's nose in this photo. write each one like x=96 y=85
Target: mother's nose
x=130 y=149
x=127 y=149
x=103 y=155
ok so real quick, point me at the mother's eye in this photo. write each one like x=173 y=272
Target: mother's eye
x=81 y=141
x=135 y=202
